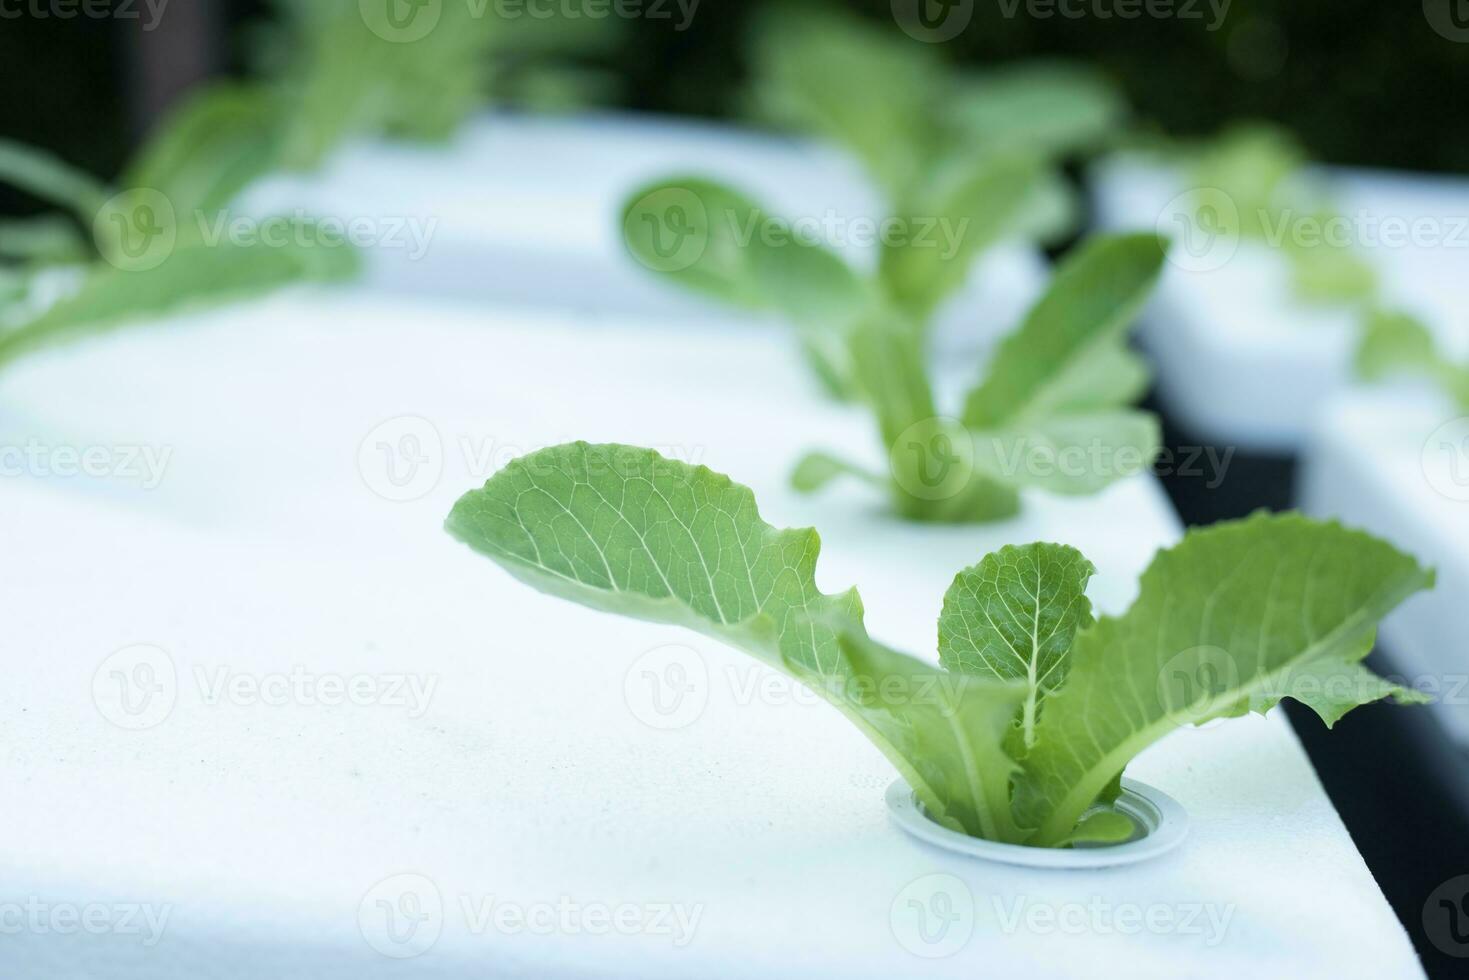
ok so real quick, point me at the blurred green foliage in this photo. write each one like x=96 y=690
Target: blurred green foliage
x=1358 y=82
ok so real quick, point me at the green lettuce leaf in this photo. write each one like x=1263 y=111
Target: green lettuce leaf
x=44 y=239
x=1022 y=733
x=960 y=214
x=698 y=234
x=209 y=149
x=1050 y=108
x=817 y=469
x=1327 y=273
x=1071 y=455
x=931 y=458
x=48 y=178
x=1236 y=616
x=873 y=92
x=1071 y=335
x=627 y=531
x=1013 y=617
x=1050 y=414
x=1250 y=163
x=1050 y=411
x=709 y=238
x=191 y=276
x=1395 y=343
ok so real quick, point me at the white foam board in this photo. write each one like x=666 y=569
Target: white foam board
x=1396 y=461
x=539 y=776
x=1240 y=360
x=527 y=210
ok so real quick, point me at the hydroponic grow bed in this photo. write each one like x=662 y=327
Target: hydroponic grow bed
x=656 y=799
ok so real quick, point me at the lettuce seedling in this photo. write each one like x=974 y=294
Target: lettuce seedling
x=911 y=118
x=1050 y=413
x=145 y=250
x=1056 y=390
x=1395 y=343
x=713 y=239
x=1022 y=731
x=416 y=71
x=964 y=161
x=1252 y=181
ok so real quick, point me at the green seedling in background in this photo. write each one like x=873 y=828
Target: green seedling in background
x=1399 y=344
x=1050 y=413
x=712 y=239
x=1022 y=732
x=145 y=248
x=340 y=71
x=1253 y=182
x=328 y=74
x=918 y=125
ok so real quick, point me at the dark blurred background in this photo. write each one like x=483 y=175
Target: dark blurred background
x=1361 y=82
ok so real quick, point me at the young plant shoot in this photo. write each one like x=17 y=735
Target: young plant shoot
x=332 y=71
x=1252 y=182
x=163 y=241
x=711 y=238
x=963 y=161
x=1057 y=389
x=1051 y=411
x=416 y=71
x=1022 y=732
x=913 y=120
x=1396 y=344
